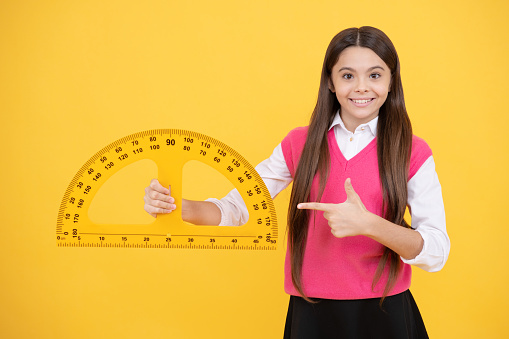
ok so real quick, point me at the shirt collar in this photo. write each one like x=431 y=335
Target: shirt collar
x=372 y=125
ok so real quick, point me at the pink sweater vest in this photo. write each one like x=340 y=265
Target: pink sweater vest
x=343 y=268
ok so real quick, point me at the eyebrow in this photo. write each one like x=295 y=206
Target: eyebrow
x=369 y=69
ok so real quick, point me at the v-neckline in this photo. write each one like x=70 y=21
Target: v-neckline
x=333 y=144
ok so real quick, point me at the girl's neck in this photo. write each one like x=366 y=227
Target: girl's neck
x=352 y=124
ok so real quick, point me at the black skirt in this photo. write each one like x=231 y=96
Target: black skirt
x=398 y=318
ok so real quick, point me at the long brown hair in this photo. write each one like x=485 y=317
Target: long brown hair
x=394 y=141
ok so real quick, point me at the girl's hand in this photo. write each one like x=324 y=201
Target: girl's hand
x=158 y=199
x=346 y=219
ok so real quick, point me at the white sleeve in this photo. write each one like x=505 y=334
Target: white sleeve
x=275 y=175
x=428 y=218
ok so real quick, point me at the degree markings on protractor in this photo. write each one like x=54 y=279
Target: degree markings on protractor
x=170 y=149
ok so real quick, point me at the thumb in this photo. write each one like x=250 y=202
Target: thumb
x=351 y=195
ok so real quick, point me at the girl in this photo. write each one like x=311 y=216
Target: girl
x=347 y=266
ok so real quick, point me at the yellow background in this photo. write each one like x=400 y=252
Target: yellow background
x=77 y=75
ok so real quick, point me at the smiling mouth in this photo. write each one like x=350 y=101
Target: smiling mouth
x=362 y=101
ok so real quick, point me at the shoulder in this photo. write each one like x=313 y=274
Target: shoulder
x=295 y=137
x=420 y=153
x=419 y=144
x=298 y=132
x=420 y=147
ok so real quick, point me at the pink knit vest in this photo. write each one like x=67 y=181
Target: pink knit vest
x=343 y=268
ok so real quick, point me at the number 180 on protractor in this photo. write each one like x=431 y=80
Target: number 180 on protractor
x=170 y=149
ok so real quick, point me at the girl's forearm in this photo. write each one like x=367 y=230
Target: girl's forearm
x=200 y=212
x=405 y=242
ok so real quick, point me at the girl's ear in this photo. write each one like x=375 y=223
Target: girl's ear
x=331 y=86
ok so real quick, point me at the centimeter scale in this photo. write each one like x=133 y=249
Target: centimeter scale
x=170 y=149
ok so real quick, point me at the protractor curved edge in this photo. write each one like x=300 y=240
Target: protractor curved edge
x=74 y=227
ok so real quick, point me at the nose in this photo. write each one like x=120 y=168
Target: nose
x=361 y=86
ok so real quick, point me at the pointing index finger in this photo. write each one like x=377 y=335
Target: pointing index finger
x=314 y=206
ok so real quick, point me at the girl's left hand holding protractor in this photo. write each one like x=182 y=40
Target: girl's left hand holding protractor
x=345 y=219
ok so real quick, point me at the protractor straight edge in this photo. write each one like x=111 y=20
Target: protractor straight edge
x=170 y=149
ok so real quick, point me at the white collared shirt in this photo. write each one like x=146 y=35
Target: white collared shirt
x=424 y=194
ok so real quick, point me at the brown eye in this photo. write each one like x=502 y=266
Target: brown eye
x=347 y=76
x=375 y=75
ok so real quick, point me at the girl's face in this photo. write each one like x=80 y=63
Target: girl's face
x=361 y=81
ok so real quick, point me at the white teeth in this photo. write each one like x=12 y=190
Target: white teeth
x=361 y=101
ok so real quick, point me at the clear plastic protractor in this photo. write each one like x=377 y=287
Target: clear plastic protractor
x=170 y=149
